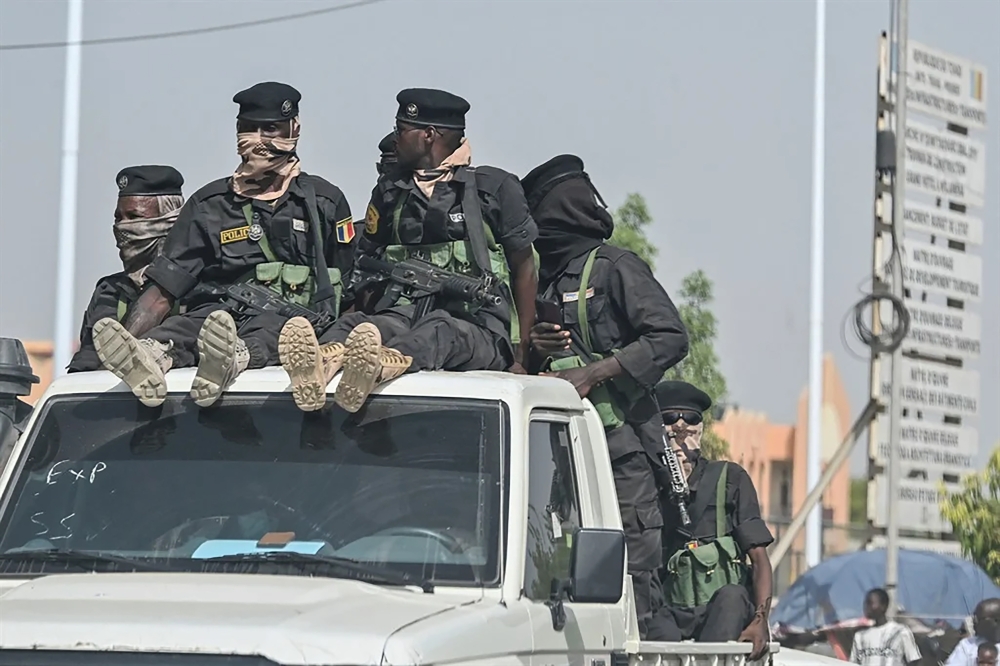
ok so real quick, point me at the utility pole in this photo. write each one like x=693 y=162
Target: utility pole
x=896 y=407
x=62 y=343
x=814 y=526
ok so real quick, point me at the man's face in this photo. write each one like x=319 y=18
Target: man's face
x=136 y=208
x=268 y=130
x=986 y=655
x=873 y=607
x=986 y=620
x=412 y=144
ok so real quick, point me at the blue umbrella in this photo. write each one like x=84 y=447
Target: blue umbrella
x=931 y=587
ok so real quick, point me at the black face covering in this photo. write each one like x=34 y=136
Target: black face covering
x=570 y=222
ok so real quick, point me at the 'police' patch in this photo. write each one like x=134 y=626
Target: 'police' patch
x=233 y=235
x=345 y=230
x=574 y=296
x=371 y=220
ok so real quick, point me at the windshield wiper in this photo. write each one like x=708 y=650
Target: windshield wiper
x=80 y=558
x=367 y=572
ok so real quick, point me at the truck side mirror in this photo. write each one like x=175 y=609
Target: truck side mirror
x=597 y=566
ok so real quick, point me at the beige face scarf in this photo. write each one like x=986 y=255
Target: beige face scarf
x=269 y=164
x=426 y=179
x=690 y=436
x=140 y=240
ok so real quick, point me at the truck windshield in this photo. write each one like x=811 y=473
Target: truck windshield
x=413 y=485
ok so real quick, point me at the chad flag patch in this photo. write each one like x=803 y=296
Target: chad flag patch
x=233 y=235
x=345 y=230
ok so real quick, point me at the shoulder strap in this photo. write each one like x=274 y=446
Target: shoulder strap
x=265 y=245
x=581 y=300
x=397 y=213
x=324 y=289
x=122 y=309
x=474 y=222
x=720 y=501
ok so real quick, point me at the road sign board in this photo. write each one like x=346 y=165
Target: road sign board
x=918 y=505
x=933 y=387
x=941 y=331
x=945 y=86
x=930 y=446
x=937 y=268
x=933 y=545
x=942 y=222
x=945 y=164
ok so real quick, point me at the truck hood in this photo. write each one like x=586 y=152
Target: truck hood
x=288 y=619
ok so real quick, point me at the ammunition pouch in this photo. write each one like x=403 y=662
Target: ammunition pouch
x=294 y=283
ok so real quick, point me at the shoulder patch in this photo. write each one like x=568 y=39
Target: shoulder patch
x=371 y=220
x=345 y=230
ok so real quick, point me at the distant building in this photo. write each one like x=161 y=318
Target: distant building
x=775 y=457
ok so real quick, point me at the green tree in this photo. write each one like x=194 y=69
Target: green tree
x=974 y=513
x=701 y=367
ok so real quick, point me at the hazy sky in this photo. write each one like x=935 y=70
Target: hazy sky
x=704 y=107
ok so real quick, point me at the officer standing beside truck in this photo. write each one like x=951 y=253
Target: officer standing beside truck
x=608 y=327
x=436 y=208
x=711 y=593
x=149 y=201
x=262 y=226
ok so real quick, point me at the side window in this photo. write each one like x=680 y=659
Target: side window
x=553 y=509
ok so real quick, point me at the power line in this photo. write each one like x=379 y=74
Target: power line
x=186 y=33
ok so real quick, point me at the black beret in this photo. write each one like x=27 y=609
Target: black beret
x=268 y=102
x=681 y=395
x=149 y=181
x=388 y=144
x=425 y=107
x=544 y=177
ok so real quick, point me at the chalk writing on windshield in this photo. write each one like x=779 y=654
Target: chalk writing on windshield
x=76 y=473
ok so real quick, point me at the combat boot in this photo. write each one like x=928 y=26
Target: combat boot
x=141 y=364
x=310 y=366
x=222 y=356
x=366 y=365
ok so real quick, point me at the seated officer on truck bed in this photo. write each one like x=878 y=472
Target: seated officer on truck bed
x=623 y=320
x=257 y=227
x=436 y=208
x=711 y=595
x=149 y=201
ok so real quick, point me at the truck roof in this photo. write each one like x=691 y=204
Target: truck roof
x=543 y=391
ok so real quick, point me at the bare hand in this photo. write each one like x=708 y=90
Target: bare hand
x=757 y=634
x=582 y=379
x=549 y=338
x=517 y=369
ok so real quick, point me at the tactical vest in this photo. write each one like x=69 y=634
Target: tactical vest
x=613 y=399
x=455 y=256
x=295 y=283
x=707 y=561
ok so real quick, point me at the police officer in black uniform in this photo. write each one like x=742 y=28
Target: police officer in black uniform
x=149 y=200
x=609 y=328
x=434 y=207
x=259 y=225
x=711 y=593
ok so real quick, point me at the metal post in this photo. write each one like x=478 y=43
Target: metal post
x=896 y=408
x=62 y=344
x=814 y=452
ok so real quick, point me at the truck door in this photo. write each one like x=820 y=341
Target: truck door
x=553 y=517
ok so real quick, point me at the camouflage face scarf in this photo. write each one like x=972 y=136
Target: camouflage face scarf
x=140 y=240
x=269 y=164
x=686 y=442
x=426 y=179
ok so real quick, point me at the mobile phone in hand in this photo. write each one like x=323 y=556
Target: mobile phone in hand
x=549 y=312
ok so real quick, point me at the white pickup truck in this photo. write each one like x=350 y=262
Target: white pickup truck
x=457 y=519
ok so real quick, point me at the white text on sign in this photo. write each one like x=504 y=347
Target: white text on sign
x=939 y=222
x=945 y=86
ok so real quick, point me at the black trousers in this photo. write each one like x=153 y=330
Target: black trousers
x=439 y=341
x=259 y=333
x=722 y=619
x=638 y=501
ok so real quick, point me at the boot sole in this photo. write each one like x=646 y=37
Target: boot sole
x=298 y=350
x=120 y=353
x=216 y=354
x=361 y=367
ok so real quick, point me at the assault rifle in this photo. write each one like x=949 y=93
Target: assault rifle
x=423 y=283
x=679 y=491
x=253 y=299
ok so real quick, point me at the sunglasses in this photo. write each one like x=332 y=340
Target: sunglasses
x=690 y=418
